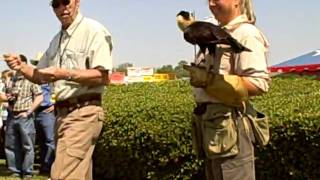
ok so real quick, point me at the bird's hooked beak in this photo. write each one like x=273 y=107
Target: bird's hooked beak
x=184 y=19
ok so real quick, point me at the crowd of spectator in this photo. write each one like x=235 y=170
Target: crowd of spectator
x=27 y=118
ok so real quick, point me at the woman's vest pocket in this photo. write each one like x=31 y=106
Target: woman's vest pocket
x=260 y=127
x=219 y=132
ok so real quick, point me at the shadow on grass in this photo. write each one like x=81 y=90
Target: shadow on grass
x=3 y=169
x=5 y=173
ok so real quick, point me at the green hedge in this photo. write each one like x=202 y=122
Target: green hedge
x=293 y=105
x=147 y=132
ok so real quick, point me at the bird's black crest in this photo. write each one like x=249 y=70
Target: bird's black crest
x=184 y=14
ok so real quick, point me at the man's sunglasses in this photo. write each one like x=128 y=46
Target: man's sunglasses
x=56 y=3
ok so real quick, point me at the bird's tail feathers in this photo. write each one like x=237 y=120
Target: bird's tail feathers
x=236 y=46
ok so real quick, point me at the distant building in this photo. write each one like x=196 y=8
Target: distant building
x=140 y=74
x=140 y=71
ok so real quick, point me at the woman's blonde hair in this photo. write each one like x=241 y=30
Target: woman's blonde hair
x=246 y=8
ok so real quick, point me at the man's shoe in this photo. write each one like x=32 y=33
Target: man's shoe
x=14 y=176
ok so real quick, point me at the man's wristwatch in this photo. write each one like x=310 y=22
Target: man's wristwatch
x=69 y=78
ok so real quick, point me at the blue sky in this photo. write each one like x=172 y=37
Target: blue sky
x=145 y=31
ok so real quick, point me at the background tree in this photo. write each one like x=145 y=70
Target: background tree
x=165 y=69
x=123 y=67
x=180 y=72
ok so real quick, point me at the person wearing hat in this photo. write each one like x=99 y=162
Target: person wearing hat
x=44 y=121
x=77 y=63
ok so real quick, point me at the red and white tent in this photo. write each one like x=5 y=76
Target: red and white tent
x=309 y=62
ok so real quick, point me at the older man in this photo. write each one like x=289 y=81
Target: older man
x=77 y=63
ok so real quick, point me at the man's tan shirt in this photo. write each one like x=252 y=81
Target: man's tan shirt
x=78 y=47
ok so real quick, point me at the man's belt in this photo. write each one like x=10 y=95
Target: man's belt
x=79 y=101
x=42 y=108
x=15 y=113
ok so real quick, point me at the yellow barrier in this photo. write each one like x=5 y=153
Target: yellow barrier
x=148 y=79
x=172 y=76
x=161 y=77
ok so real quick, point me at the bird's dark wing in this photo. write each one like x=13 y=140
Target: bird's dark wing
x=199 y=33
x=223 y=37
x=208 y=35
x=236 y=46
x=217 y=31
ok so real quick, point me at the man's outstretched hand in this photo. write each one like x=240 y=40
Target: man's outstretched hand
x=13 y=61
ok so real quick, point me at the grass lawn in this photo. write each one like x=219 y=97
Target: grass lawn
x=4 y=173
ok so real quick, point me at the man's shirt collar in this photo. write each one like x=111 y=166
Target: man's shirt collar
x=74 y=24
